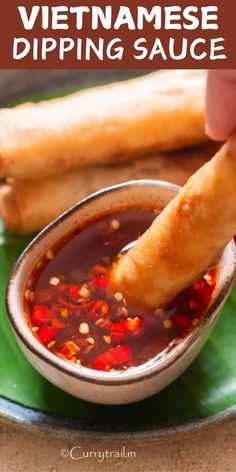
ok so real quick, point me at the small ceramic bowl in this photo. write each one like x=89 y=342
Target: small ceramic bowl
x=111 y=387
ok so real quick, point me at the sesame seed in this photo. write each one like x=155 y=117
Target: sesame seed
x=99 y=323
x=115 y=224
x=51 y=344
x=35 y=329
x=84 y=292
x=107 y=339
x=54 y=281
x=90 y=340
x=78 y=362
x=29 y=296
x=167 y=324
x=103 y=323
x=49 y=254
x=118 y=296
x=84 y=328
x=207 y=277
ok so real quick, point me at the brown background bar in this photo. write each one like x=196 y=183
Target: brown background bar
x=11 y=26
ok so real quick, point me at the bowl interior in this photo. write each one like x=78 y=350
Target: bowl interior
x=137 y=193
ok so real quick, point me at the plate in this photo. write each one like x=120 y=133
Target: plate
x=203 y=396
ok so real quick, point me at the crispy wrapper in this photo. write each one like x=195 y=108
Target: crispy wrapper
x=27 y=206
x=186 y=238
x=160 y=111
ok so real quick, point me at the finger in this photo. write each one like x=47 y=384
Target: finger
x=221 y=104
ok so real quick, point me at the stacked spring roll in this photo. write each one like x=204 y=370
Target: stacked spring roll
x=53 y=153
x=28 y=205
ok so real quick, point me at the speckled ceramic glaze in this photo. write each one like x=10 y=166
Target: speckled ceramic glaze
x=111 y=387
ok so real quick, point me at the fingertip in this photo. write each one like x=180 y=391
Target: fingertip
x=221 y=105
x=216 y=135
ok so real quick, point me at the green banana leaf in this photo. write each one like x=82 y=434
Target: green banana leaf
x=207 y=387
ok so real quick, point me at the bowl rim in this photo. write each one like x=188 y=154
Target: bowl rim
x=139 y=373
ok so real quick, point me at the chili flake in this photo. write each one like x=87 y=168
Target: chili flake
x=74 y=314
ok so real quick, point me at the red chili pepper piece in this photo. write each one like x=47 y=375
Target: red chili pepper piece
x=114 y=356
x=100 y=309
x=101 y=281
x=40 y=315
x=200 y=284
x=133 y=325
x=73 y=291
x=118 y=331
x=101 y=363
x=205 y=298
x=181 y=321
x=120 y=354
x=47 y=334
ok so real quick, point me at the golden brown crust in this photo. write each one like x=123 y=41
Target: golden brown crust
x=34 y=203
x=186 y=238
x=161 y=111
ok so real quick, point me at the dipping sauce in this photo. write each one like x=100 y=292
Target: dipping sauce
x=73 y=313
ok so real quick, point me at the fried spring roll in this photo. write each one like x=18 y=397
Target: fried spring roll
x=27 y=206
x=186 y=238
x=160 y=111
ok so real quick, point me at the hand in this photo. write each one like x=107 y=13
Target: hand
x=221 y=104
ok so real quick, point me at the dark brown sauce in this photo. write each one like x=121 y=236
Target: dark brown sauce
x=75 y=316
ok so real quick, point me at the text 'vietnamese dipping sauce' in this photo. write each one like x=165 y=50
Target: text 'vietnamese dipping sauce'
x=73 y=313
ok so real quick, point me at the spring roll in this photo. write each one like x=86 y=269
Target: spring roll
x=186 y=238
x=160 y=111
x=27 y=206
